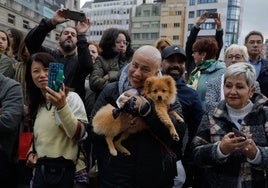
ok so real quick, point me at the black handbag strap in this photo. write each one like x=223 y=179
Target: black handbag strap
x=163 y=144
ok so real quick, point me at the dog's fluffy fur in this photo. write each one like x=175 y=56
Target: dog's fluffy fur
x=104 y=124
x=162 y=91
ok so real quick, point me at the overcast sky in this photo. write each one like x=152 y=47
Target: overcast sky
x=254 y=17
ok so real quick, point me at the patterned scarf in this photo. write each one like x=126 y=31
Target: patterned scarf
x=196 y=73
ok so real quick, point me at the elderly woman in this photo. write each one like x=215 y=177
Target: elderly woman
x=233 y=54
x=230 y=160
x=207 y=67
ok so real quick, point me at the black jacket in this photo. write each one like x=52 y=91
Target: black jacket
x=143 y=168
x=76 y=67
x=190 y=64
x=263 y=77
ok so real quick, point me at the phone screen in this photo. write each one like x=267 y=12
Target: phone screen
x=55 y=76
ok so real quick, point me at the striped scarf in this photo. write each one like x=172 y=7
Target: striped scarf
x=196 y=73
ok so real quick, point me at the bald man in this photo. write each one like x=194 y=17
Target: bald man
x=146 y=166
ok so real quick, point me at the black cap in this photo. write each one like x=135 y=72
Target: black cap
x=171 y=50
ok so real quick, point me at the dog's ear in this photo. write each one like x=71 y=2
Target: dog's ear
x=148 y=85
x=172 y=87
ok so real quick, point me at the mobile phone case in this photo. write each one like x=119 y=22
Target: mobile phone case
x=55 y=76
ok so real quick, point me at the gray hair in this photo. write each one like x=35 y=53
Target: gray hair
x=242 y=69
x=242 y=48
x=253 y=33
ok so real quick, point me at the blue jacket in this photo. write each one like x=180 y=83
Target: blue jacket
x=191 y=108
x=263 y=77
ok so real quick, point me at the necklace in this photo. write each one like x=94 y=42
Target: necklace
x=48 y=106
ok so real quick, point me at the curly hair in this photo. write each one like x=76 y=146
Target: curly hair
x=207 y=45
x=107 y=42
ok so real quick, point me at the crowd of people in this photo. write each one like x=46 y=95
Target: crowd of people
x=47 y=138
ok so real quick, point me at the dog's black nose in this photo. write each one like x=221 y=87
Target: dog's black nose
x=159 y=98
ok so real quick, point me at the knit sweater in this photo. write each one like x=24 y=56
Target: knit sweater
x=54 y=130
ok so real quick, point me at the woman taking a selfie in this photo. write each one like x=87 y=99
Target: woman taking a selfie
x=58 y=120
x=229 y=159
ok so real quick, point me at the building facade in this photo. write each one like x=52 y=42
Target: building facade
x=105 y=14
x=230 y=11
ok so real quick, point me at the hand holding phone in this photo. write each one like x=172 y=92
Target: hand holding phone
x=74 y=15
x=55 y=76
x=238 y=133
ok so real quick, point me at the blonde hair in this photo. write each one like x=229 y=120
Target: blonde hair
x=160 y=41
x=242 y=48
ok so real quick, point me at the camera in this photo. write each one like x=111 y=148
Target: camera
x=212 y=15
x=129 y=107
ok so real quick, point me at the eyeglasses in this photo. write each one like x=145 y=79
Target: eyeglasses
x=122 y=42
x=236 y=56
x=255 y=41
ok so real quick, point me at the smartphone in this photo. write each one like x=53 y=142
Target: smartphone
x=74 y=15
x=238 y=133
x=212 y=15
x=55 y=76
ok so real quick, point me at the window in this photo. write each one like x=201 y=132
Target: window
x=207 y=1
x=192 y=2
x=136 y=36
x=176 y=25
x=155 y=25
x=164 y=25
x=25 y=24
x=191 y=14
x=208 y=26
x=154 y=36
x=178 y=13
x=145 y=36
x=11 y=19
x=146 y=13
x=190 y=26
x=176 y=37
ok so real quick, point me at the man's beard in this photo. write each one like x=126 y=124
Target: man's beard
x=176 y=75
x=67 y=48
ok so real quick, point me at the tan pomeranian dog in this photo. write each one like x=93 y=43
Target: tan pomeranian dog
x=161 y=90
x=105 y=123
